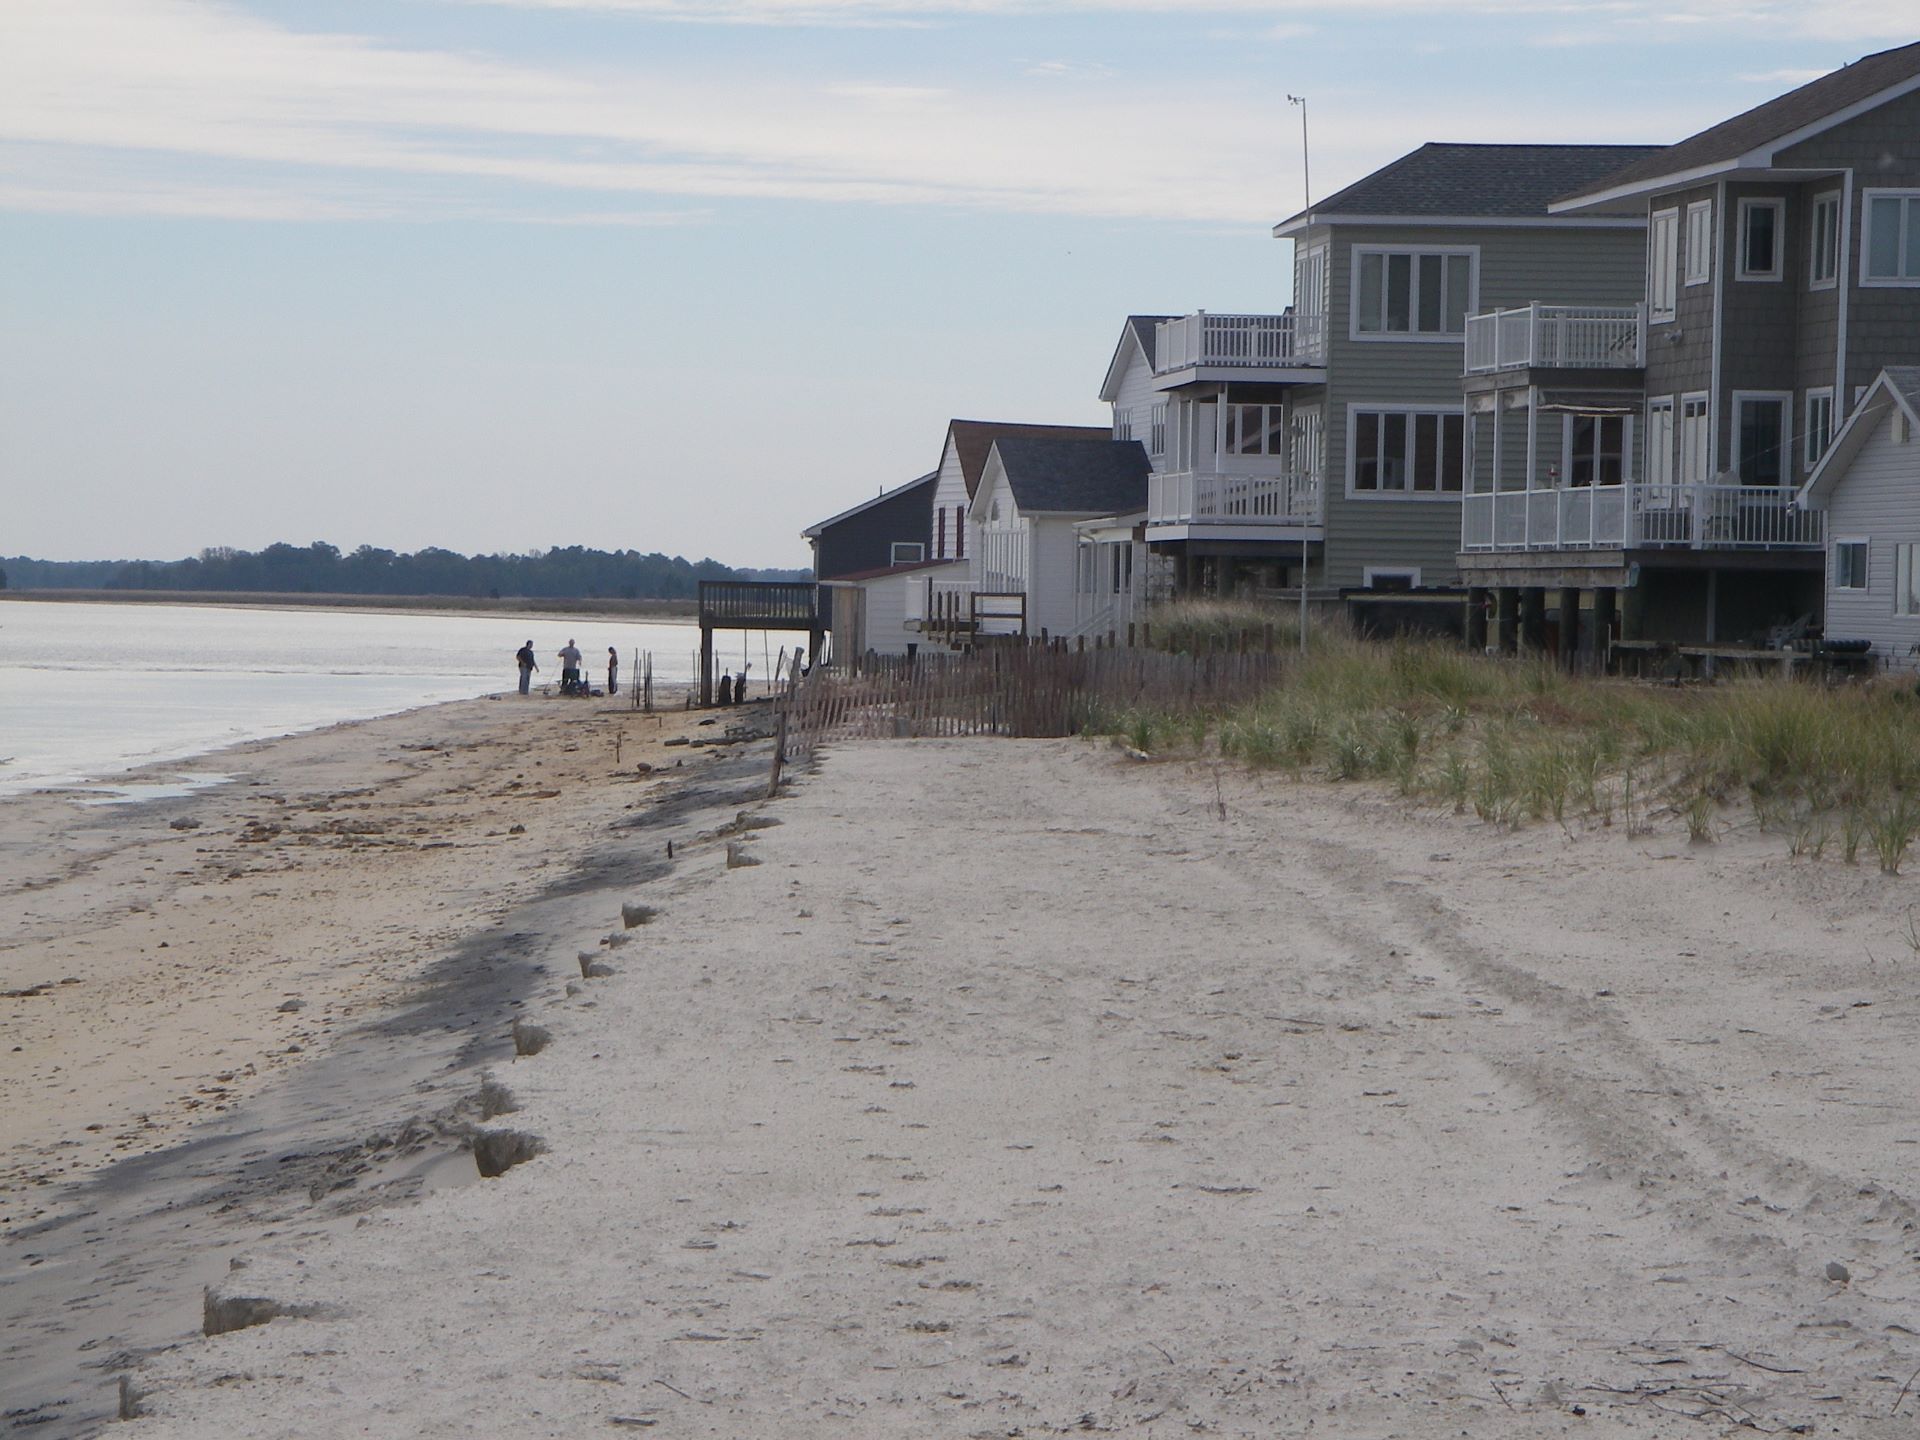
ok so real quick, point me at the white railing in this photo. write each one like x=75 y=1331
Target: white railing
x=1693 y=517
x=1581 y=337
x=1250 y=341
x=1186 y=496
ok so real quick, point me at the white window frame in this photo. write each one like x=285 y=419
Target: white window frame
x=1356 y=256
x=1779 y=270
x=1699 y=256
x=1906 y=559
x=1818 y=238
x=1370 y=574
x=1863 y=580
x=894 y=557
x=1701 y=471
x=1808 y=429
x=1663 y=265
x=1658 y=464
x=1122 y=424
x=1566 y=451
x=1358 y=408
x=1910 y=217
x=1784 y=399
x=1157 y=431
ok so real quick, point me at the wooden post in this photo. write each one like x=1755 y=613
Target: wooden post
x=1569 y=628
x=706 y=665
x=1507 y=620
x=1603 y=613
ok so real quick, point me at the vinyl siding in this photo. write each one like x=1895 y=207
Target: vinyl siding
x=1883 y=324
x=886 y=630
x=1877 y=498
x=865 y=541
x=1135 y=397
x=1574 y=265
x=949 y=491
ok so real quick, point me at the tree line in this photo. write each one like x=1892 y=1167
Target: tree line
x=570 y=572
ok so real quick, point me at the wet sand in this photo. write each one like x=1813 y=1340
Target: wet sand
x=265 y=1001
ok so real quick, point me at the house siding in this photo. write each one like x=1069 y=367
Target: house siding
x=1135 y=398
x=1878 y=499
x=1573 y=264
x=1883 y=323
x=949 y=494
x=865 y=541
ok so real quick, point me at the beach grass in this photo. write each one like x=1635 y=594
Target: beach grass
x=1520 y=741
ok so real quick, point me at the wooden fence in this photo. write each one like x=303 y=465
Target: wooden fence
x=1024 y=691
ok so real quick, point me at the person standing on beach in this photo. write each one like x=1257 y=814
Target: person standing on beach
x=613 y=671
x=569 y=669
x=524 y=655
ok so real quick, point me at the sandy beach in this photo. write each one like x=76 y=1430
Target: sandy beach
x=1019 y=1088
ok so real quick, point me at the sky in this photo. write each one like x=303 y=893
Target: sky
x=689 y=275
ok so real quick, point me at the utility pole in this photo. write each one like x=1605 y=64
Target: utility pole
x=1306 y=184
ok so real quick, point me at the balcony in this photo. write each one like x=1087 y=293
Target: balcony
x=1209 y=499
x=1239 y=344
x=1640 y=517
x=1557 y=337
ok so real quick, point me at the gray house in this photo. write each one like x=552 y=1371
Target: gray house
x=1868 y=485
x=1782 y=275
x=1330 y=438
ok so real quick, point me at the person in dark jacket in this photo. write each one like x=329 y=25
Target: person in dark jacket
x=524 y=655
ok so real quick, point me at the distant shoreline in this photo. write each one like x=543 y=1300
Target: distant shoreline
x=374 y=604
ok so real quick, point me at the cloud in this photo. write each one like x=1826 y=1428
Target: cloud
x=1852 y=20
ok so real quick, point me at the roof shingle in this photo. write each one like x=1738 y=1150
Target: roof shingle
x=1492 y=181
x=1074 y=477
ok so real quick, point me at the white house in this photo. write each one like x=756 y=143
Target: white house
x=1022 y=522
x=1868 y=482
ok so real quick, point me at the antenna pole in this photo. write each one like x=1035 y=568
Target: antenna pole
x=1306 y=185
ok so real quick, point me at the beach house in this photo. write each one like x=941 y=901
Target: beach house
x=1867 y=486
x=862 y=560
x=1635 y=469
x=1327 y=441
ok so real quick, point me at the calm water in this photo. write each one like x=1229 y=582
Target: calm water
x=87 y=691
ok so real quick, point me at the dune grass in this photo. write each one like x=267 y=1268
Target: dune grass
x=1518 y=742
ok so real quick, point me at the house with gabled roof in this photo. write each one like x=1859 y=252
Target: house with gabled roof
x=1034 y=493
x=1781 y=277
x=862 y=560
x=963 y=456
x=1867 y=486
x=1326 y=443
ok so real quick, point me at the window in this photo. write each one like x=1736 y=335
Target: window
x=1760 y=438
x=1663 y=238
x=1310 y=301
x=1412 y=292
x=1700 y=242
x=1694 y=438
x=1891 y=248
x=959 y=532
x=940 y=532
x=1906 y=579
x=907 y=552
x=1255 y=430
x=1850 y=564
x=1157 y=432
x=1823 y=244
x=1659 y=467
x=1408 y=452
x=1761 y=222
x=1392 y=579
x=1595 y=448
x=1819 y=426
x=1306 y=446
x=1122 y=424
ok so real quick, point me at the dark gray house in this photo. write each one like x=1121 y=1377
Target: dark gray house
x=1782 y=275
x=1329 y=439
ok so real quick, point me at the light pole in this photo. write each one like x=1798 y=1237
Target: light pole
x=1306 y=184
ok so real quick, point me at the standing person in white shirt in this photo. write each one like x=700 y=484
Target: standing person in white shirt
x=569 y=669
